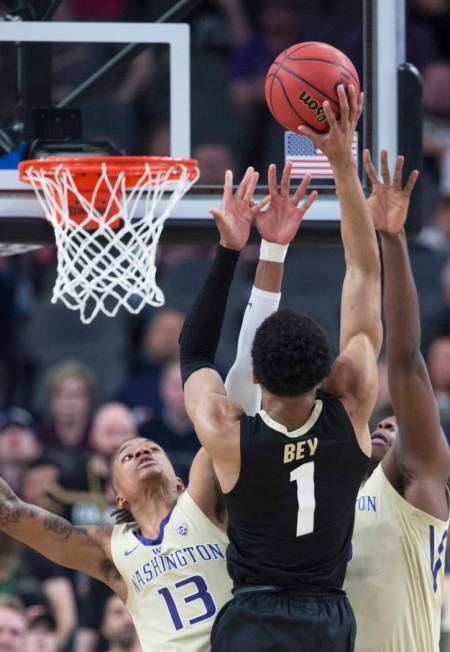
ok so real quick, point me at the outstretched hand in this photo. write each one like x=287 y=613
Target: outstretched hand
x=238 y=210
x=389 y=202
x=281 y=220
x=336 y=143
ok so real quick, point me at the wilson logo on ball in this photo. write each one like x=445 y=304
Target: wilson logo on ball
x=313 y=105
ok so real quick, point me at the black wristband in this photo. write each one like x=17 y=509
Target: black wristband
x=201 y=331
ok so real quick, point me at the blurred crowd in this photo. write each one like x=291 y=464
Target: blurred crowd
x=71 y=394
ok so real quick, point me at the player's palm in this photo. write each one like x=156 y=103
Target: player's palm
x=280 y=222
x=238 y=211
x=389 y=202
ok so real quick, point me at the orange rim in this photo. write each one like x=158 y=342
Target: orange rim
x=90 y=167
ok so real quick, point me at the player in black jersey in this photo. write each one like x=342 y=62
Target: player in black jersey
x=291 y=474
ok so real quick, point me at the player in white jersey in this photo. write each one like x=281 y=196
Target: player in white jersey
x=168 y=565
x=395 y=577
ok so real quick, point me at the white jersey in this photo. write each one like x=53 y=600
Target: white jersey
x=176 y=583
x=395 y=577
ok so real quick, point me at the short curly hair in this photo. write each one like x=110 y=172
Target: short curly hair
x=291 y=354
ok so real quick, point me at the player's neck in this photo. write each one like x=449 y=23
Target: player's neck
x=152 y=506
x=292 y=411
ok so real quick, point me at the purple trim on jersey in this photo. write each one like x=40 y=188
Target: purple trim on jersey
x=159 y=538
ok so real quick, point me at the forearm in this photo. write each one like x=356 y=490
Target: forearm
x=361 y=291
x=264 y=300
x=401 y=305
x=357 y=230
x=201 y=331
x=48 y=534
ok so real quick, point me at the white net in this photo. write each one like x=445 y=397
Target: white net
x=108 y=259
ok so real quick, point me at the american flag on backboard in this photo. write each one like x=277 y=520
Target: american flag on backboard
x=307 y=159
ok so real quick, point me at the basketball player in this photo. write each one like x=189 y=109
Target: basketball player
x=290 y=475
x=168 y=566
x=396 y=574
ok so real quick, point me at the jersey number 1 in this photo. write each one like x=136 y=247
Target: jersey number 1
x=303 y=475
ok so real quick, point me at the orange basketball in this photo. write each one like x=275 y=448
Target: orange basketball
x=301 y=78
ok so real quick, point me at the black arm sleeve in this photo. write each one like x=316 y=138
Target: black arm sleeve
x=201 y=331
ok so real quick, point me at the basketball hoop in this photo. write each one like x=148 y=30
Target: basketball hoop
x=106 y=251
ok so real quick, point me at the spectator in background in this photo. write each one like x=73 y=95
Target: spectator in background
x=86 y=493
x=157 y=140
x=436 y=100
x=439 y=325
x=421 y=47
x=214 y=159
x=37 y=478
x=441 y=222
x=18 y=445
x=92 y=597
x=70 y=395
x=279 y=26
x=42 y=634
x=13 y=624
x=160 y=344
x=172 y=429
x=40 y=584
x=435 y=14
x=117 y=627
x=438 y=362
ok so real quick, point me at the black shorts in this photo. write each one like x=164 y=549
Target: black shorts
x=284 y=621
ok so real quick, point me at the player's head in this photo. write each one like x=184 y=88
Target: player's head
x=291 y=354
x=13 y=624
x=138 y=465
x=383 y=437
x=116 y=626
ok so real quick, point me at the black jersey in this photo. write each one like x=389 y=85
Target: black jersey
x=292 y=511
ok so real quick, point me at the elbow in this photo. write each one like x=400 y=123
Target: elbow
x=405 y=357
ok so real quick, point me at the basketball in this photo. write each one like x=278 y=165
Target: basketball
x=301 y=78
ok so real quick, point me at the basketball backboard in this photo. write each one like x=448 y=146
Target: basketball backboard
x=177 y=94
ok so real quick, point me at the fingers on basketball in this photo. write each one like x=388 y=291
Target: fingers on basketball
x=330 y=115
x=344 y=106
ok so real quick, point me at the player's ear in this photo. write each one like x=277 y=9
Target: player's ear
x=180 y=486
x=254 y=381
x=121 y=502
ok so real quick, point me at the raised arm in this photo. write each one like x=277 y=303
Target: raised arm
x=277 y=226
x=420 y=446
x=214 y=415
x=82 y=548
x=354 y=375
